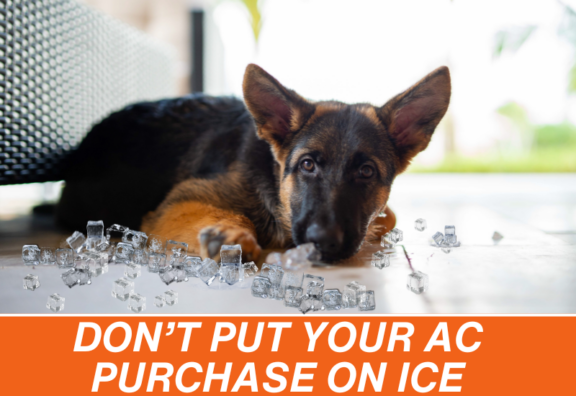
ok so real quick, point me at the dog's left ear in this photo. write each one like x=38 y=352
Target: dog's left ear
x=412 y=116
x=278 y=111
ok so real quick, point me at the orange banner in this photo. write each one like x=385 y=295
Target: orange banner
x=80 y=355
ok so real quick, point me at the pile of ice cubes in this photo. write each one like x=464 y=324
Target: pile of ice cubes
x=448 y=240
x=88 y=256
x=83 y=259
x=283 y=278
x=231 y=270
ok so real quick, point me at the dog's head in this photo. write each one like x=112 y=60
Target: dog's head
x=337 y=161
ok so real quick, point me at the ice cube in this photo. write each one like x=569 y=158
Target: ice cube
x=115 y=230
x=156 y=244
x=95 y=230
x=176 y=251
x=167 y=274
x=156 y=261
x=249 y=269
x=300 y=257
x=446 y=248
x=438 y=238
x=123 y=253
x=276 y=293
x=231 y=259
x=332 y=299
x=94 y=262
x=136 y=238
x=310 y=251
x=273 y=272
x=84 y=276
x=171 y=297
x=292 y=296
x=65 y=257
x=47 y=256
x=105 y=257
x=308 y=304
x=420 y=225
x=180 y=273
x=230 y=274
x=274 y=258
x=395 y=235
x=97 y=265
x=140 y=256
x=55 y=302
x=175 y=260
x=366 y=301
x=159 y=301
x=350 y=294
x=450 y=235
x=103 y=245
x=111 y=253
x=313 y=286
x=208 y=271
x=261 y=286
x=31 y=282
x=380 y=260
x=231 y=255
x=136 y=302
x=417 y=282
x=292 y=278
x=81 y=260
x=132 y=271
x=70 y=277
x=192 y=264
x=385 y=243
x=76 y=241
x=122 y=289
x=31 y=254
x=497 y=237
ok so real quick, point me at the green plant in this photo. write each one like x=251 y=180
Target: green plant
x=253 y=7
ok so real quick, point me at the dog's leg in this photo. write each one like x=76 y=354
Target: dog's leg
x=381 y=225
x=205 y=228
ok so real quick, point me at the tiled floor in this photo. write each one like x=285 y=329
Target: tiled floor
x=532 y=270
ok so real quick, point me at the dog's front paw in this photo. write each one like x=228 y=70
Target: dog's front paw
x=212 y=238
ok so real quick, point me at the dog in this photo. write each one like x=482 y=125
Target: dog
x=273 y=172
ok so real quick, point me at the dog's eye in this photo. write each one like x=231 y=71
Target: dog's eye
x=307 y=165
x=366 y=172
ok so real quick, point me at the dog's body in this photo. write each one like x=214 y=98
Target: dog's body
x=281 y=171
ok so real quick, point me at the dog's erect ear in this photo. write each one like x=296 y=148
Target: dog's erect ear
x=278 y=111
x=412 y=116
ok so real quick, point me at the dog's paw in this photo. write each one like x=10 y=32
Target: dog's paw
x=212 y=238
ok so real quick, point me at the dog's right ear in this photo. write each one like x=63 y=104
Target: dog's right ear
x=412 y=116
x=278 y=111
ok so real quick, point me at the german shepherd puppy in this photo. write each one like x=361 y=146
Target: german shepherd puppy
x=276 y=171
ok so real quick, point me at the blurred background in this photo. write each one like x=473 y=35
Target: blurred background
x=513 y=66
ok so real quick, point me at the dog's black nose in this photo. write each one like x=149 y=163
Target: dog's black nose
x=326 y=239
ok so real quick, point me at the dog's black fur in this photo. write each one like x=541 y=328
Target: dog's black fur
x=128 y=163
